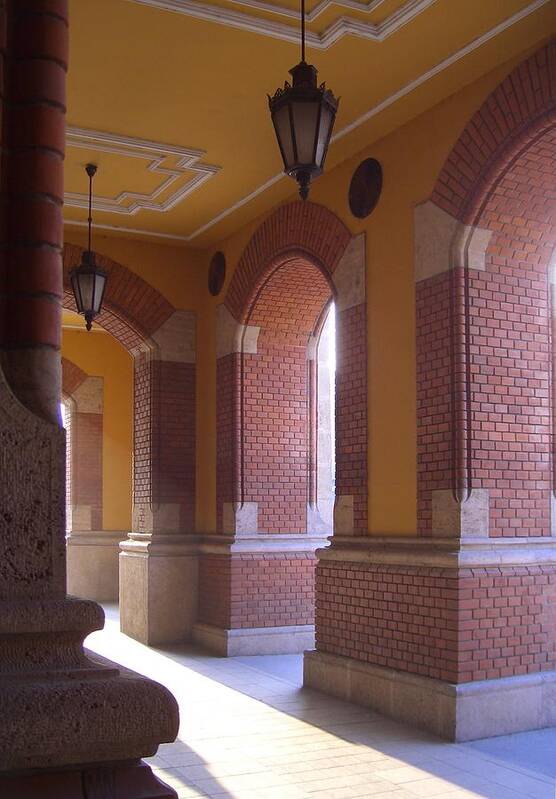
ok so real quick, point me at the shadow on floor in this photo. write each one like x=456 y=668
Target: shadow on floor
x=250 y=731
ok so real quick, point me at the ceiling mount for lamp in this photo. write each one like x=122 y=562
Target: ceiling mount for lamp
x=88 y=282
x=303 y=115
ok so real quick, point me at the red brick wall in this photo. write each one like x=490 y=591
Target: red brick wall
x=276 y=399
x=351 y=411
x=256 y=590
x=164 y=443
x=265 y=409
x=445 y=624
x=173 y=454
x=435 y=445
x=228 y=432
x=517 y=109
x=142 y=428
x=484 y=358
x=510 y=347
x=86 y=453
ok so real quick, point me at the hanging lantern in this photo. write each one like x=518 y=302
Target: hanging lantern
x=303 y=115
x=88 y=282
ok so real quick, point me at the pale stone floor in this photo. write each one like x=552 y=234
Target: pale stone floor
x=249 y=731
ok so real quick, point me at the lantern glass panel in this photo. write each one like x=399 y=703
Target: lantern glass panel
x=281 y=119
x=86 y=282
x=76 y=292
x=305 y=120
x=325 y=129
x=100 y=284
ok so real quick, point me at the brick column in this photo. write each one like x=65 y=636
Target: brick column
x=457 y=632
x=32 y=195
x=158 y=563
x=59 y=709
x=350 y=512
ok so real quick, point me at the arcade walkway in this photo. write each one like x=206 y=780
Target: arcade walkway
x=249 y=732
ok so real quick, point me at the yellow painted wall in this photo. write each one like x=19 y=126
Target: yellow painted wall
x=176 y=272
x=100 y=355
x=411 y=157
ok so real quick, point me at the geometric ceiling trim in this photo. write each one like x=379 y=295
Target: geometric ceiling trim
x=407 y=89
x=156 y=154
x=341 y=27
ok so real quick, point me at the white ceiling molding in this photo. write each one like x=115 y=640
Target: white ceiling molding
x=156 y=153
x=388 y=101
x=289 y=33
x=372 y=112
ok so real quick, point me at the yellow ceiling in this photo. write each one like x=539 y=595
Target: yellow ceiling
x=168 y=97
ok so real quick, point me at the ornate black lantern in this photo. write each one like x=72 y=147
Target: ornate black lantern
x=303 y=115
x=88 y=282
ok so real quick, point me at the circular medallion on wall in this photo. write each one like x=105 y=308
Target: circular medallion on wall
x=365 y=188
x=217 y=273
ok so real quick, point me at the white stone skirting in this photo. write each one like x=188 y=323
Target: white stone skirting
x=456 y=553
x=462 y=712
x=255 y=640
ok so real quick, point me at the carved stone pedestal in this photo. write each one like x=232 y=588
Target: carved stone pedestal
x=60 y=706
x=133 y=780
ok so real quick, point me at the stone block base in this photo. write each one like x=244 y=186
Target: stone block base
x=112 y=781
x=462 y=712
x=158 y=589
x=92 y=564
x=255 y=640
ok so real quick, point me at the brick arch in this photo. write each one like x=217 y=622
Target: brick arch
x=133 y=309
x=299 y=258
x=483 y=314
x=515 y=113
x=72 y=377
x=304 y=227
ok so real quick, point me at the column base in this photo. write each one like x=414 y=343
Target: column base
x=158 y=587
x=92 y=564
x=461 y=712
x=133 y=780
x=62 y=705
x=255 y=640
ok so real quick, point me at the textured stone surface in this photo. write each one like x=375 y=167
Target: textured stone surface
x=133 y=780
x=60 y=706
x=32 y=499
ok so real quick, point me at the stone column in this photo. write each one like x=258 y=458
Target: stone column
x=158 y=562
x=61 y=708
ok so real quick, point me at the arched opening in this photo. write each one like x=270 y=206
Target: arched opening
x=161 y=343
x=280 y=399
x=280 y=478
